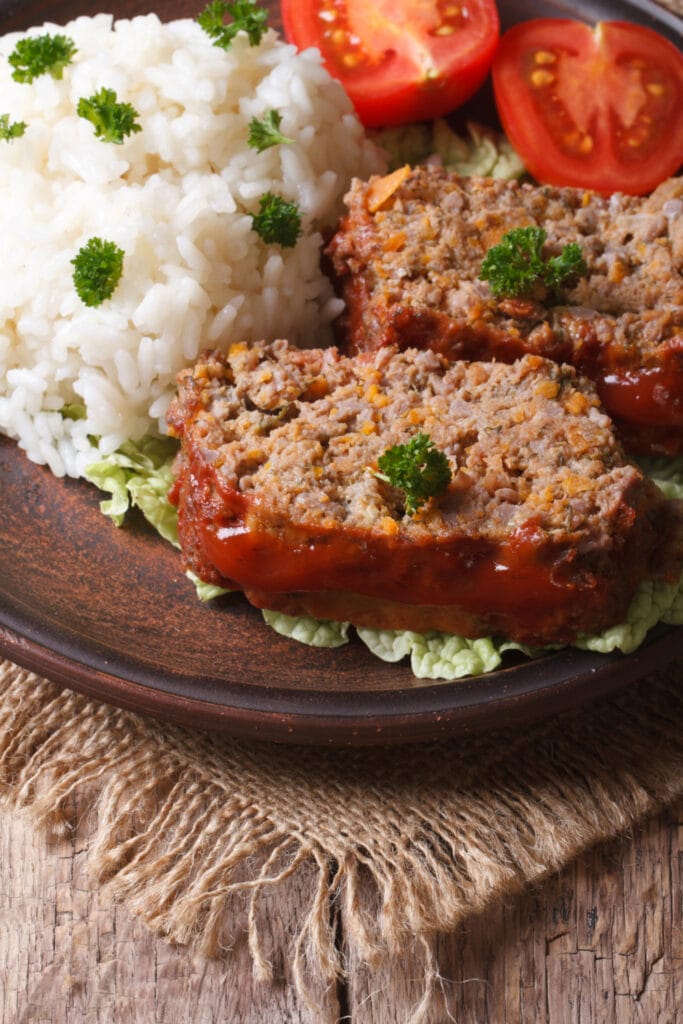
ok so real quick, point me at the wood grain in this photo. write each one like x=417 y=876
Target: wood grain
x=601 y=943
x=67 y=954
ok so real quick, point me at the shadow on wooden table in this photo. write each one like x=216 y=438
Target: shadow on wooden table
x=602 y=943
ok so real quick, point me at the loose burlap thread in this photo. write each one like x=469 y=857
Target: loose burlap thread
x=405 y=841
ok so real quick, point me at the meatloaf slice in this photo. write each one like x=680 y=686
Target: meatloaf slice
x=407 y=261
x=545 y=530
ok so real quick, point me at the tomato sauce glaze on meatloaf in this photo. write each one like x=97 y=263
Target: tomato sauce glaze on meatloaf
x=408 y=267
x=544 y=532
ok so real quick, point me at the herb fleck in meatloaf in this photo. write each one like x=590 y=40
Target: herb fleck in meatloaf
x=544 y=532
x=408 y=266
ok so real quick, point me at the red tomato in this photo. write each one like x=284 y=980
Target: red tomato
x=399 y=60
x=598 y=108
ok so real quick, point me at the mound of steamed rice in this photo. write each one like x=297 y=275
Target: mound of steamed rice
x=177 y=197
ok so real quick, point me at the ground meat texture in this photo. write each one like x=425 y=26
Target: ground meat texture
x=407 y=264
x=544 y=531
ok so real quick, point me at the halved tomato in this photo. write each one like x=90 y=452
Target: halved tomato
x=594 y=107
x=399 y=60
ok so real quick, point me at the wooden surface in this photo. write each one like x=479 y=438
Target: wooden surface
x=600 y=944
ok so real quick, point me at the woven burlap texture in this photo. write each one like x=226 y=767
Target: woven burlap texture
x=406 y=841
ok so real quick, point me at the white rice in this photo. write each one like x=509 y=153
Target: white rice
x=177 y=197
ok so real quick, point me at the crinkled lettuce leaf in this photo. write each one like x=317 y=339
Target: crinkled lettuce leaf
x=307 y=630
x=433 y=655
x=205 y=591
x=652 y=604
x=667 y=473
x=141 y=473
x=482 y=152
x=405 y=144
x=447 y=657
x=443 y=656
x=674 y=614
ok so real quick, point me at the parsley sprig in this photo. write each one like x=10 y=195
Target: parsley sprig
x=98 y=266
x=246 y=16
x=517 y=267
x=418 y=468
x=278 y=220
x=266 y=133
x=41 y=55
x=11 y=129
x=112 y=120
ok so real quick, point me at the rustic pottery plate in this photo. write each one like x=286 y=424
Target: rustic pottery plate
x=109 y=612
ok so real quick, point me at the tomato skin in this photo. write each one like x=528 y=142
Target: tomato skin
x=598 y=108
x=399 y=60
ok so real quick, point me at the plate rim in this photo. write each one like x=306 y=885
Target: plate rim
x=371 y=724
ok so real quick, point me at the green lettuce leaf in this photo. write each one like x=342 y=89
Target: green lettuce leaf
x=205 y=591
x=446 y=656
x=140 y=474
x=666 y=473
x=651 y=604
x=433 y=655
x=307 y=630
x=404 y=144
x=674 y=614
x=483 y=152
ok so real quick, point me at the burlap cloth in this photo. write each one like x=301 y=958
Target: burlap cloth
x=406 y=841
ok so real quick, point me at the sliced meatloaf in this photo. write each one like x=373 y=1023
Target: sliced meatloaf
x=544 y=532
x=408 y=255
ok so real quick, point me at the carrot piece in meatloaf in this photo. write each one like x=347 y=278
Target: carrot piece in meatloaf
x=544 y=531
x=408 y=269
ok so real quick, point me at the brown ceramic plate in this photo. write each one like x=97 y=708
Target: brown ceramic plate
x=109 y=612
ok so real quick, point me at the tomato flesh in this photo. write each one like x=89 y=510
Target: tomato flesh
x=399 y=61
x=598 y=108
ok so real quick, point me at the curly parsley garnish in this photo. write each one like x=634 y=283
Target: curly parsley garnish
x=11 y=129
x=98 y=266
x=111 y=120
x=266 y=133
x=278 y=220
x=516 y=266
x=418 y=468
x=246 y=16
x=41 y=55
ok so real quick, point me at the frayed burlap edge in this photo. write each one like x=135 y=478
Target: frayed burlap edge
x=405 y=842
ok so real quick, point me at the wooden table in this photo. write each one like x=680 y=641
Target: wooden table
x=602 y=943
